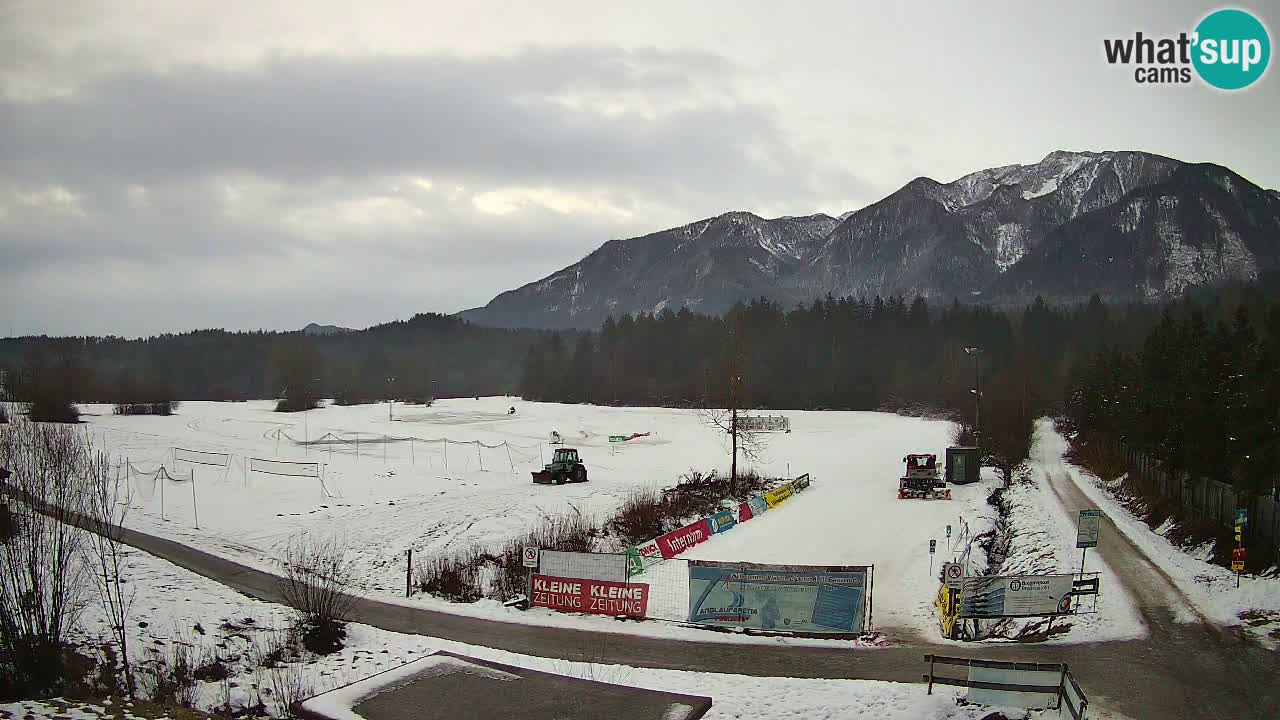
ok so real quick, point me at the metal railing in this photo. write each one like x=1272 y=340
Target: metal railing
x=1064 y=695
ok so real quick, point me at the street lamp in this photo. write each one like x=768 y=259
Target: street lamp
x=975 y=352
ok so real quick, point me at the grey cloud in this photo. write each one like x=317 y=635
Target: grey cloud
x=488 y=119
x=304 y=134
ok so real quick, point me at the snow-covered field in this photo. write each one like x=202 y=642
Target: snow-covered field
x=424 y=494
x=176 y=606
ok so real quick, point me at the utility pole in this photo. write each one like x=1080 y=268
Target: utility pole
x=975 y=352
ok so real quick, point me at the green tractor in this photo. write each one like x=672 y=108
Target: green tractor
x=565 y=466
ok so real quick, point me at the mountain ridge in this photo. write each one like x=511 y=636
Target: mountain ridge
x=999 y=234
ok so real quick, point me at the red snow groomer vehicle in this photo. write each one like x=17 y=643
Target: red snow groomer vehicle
x=922 y=480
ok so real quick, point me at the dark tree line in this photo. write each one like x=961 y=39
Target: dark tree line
x=428 y=355
x=1202 y=392
x=847 y=353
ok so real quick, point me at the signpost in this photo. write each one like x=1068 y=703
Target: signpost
x=933 y=547
x=952 y=575
x=1087 y=531
x=1238 y=553
x=529 y=556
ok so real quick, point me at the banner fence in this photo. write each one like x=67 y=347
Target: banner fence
x=820 y=600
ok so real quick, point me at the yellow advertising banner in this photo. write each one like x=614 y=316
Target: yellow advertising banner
x=948 y=611
x=774 y=498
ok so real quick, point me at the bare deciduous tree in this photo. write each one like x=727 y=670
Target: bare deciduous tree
x=42 y=588
x=1009 y=416
x=106 y=505
x=742 y=440
x=319 y=576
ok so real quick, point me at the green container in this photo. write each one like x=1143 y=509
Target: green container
x=964 y=465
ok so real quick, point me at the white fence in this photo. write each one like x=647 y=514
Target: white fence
x=764 y=423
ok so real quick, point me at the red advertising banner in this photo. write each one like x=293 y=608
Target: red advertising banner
x=600 y=597
x=744 y=512
x=677 y=541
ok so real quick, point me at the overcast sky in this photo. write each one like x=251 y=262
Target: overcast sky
x=174 y=165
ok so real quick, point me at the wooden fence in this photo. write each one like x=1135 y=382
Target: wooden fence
x=1211 y=500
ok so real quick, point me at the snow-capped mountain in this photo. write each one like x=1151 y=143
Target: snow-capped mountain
x=1127 y=225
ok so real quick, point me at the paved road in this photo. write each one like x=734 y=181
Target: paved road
x=1212 y=671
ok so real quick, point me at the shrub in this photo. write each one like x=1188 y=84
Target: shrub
x=469 y=574
x=454 y=576
x=169 y=675
x=318 y=584
x=646 y=514
x=43 y=586
x=287 y=682
x=53 y=411
x=297 y=404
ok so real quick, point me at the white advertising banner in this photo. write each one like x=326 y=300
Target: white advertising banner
x=1000 y=596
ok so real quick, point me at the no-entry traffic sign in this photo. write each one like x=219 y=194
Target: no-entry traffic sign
x=952 y=574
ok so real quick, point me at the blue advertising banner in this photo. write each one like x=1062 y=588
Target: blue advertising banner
x=778 y=598
x=722 y=521
x=758 y=505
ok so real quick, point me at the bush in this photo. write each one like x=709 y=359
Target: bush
x=287 y=682
x=297 y=404
x=454 y=576
x=53 y=411
x=1092 y=452
x=318 y=584
x=646 y=514
x=4 y=414
x=469 y=574
x=169 y=675
x=43 y=586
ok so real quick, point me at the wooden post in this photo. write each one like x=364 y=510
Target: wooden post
x=412 y=460
x=930 y=692
x=195 y=509
x=160 y=480
x=871 y=598
x=446 y=453
x=479 y=457
x=1062 y=683
x=408 y=574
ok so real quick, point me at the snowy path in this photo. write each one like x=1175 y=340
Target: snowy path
x=1203 y=656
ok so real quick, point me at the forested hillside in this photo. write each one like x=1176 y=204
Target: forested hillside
x=428 y=354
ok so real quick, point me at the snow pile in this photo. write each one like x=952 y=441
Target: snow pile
x=1041 y=540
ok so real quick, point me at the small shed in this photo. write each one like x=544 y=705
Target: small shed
x=964 y=465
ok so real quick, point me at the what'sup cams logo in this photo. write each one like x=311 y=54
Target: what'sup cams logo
x=1229 y=50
